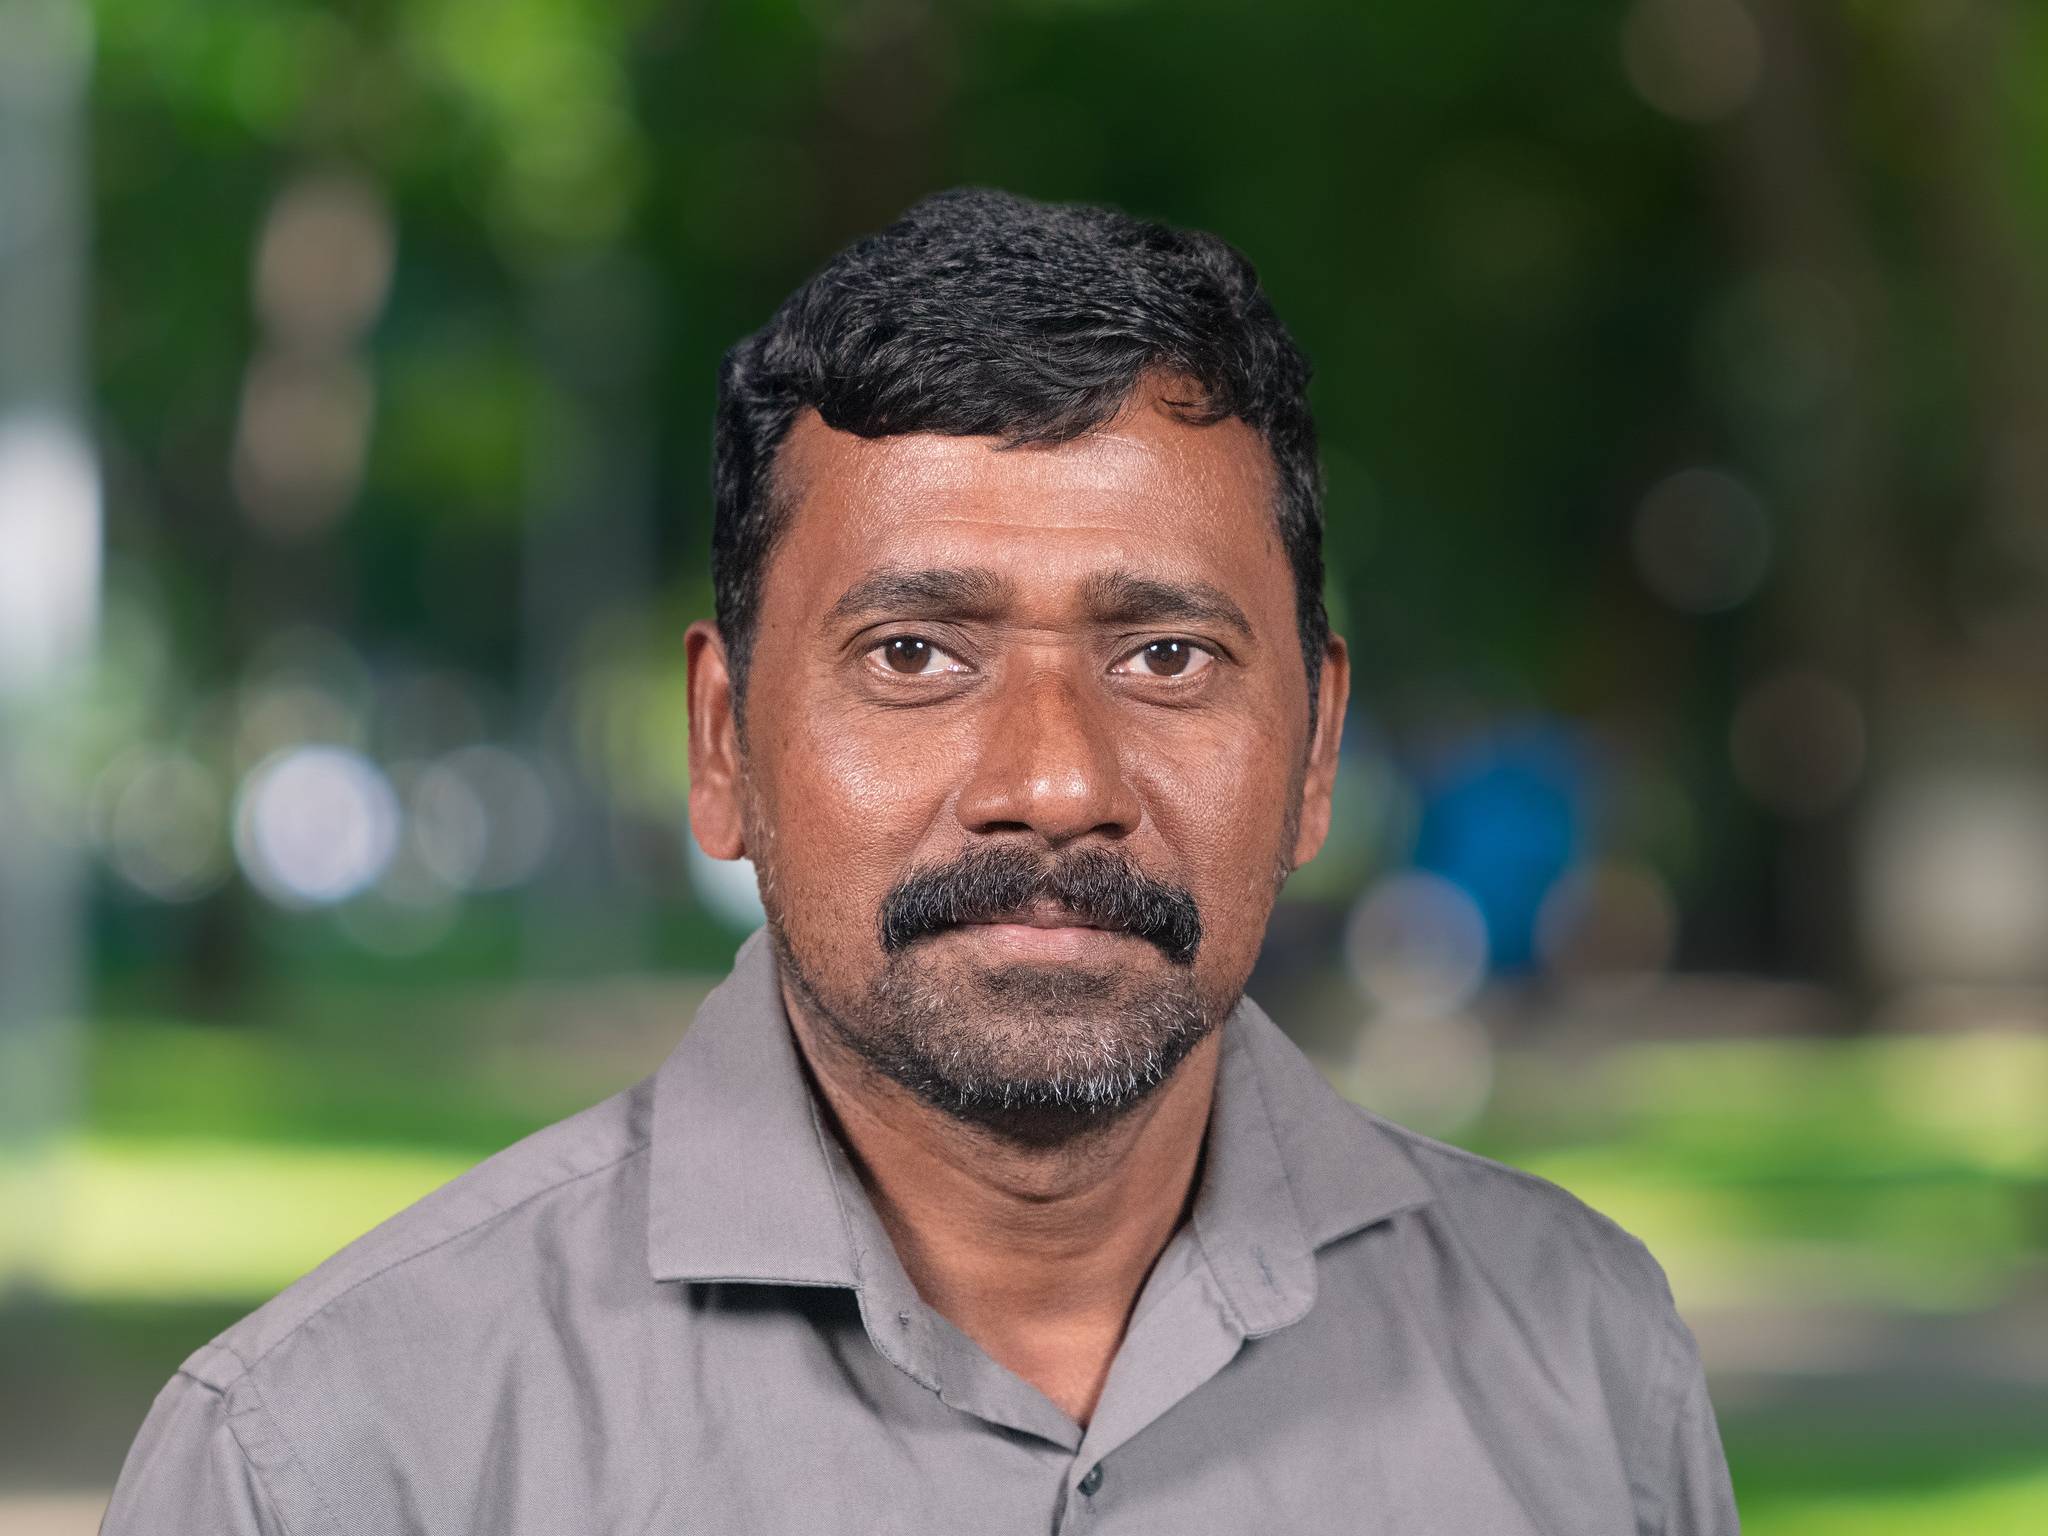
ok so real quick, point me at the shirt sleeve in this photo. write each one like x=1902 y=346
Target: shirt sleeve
x=1699 y=1500
x=187 y=1474
x=1680 y=1472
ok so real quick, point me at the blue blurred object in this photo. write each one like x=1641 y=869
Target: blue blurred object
x=1502 y=816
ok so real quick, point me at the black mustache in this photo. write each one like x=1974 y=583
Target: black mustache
x=1101 y=889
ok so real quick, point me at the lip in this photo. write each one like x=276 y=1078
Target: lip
x=1046 y=937
x=1043 y=913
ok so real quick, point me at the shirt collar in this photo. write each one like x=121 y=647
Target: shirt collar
x=748 y=1185
x=743 y=1188
x=1290 y=1167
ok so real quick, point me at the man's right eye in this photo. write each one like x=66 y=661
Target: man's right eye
x=912 y=656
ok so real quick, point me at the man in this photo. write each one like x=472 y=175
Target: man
x=978 y=1199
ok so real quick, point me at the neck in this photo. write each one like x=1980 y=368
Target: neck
x=1036 y=1252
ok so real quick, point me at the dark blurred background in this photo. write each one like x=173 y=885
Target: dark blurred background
x=1683 y=376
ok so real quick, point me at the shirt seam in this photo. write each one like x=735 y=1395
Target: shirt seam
x=228 y=1416
x=258 y=1409
x=249 y=1366
x=1536 y=1183
x=1404 y=1134
x=1222 y=1290
x=1671 y=1383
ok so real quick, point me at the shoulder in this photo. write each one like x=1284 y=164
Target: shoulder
x=1513 y=1221
x=568 y=1197
x=1532 y=1272
x=1536 y=1274
x=1350 y=1168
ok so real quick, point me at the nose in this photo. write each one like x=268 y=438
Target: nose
x=1049 y=764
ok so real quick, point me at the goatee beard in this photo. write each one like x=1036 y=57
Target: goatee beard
x=1034 y=1054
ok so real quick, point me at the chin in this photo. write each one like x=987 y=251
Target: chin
x=1036 y=1098
x=1033 y=1052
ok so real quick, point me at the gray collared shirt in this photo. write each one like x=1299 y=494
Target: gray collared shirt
x=677 y=1312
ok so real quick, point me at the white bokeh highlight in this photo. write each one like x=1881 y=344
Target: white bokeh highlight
x=315 y=825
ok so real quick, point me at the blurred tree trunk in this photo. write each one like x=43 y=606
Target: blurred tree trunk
x=879 y=131
x=48 y=492
x=588 y=561
x=1796 y=221
x=1948 y=655
x=1994 y=288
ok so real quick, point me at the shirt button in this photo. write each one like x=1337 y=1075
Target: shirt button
x=1091 y=1480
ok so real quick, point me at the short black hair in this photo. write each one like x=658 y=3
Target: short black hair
x=979 y=313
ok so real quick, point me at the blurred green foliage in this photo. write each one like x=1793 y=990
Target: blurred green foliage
x=1530 y=295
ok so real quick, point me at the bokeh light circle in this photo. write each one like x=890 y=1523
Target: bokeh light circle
x=1797 y=743
x=1433 y=1073
x=487 y=820
x=315 y=825
x=1702 y=541
x=1696 y=60
x=1614 y=920
x=1417 y=943
x=161 y=821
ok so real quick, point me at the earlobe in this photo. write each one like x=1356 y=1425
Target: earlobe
x=715 y=773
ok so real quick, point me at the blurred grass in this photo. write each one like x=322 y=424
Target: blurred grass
x=1875 y=1468
x=156 y=1080
x=194 y=1221
x=1908 y=1173
x=2000 y=1506
x=1947 y=1242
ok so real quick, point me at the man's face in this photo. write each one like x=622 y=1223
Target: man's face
x=1026 y=753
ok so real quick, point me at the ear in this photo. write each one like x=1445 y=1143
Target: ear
x=715 y=773
x=1333 y=692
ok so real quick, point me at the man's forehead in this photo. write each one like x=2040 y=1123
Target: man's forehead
x=1144 y=478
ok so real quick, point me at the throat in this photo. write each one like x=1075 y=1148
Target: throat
x=1046 y=1293
x=1069 y=1361
x=1037 y=1254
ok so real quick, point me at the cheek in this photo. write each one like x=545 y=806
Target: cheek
x=847 y=811
x=1222 y=807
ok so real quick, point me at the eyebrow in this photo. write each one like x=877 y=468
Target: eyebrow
x=950 y=592
x=976 y=592
x=1123 y=597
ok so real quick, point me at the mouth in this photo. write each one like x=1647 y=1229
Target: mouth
x=1045 y=930
x=1040 y=914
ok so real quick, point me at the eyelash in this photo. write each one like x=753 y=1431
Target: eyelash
x=875 y=651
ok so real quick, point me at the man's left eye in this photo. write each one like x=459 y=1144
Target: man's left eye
x=1165 y=658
